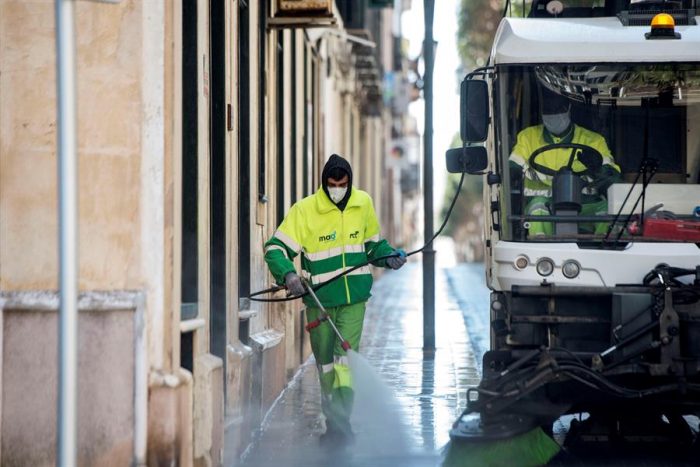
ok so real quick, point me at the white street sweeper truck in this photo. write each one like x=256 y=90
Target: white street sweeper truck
x=586 y=127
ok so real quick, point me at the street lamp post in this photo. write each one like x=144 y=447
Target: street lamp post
x=428 y=252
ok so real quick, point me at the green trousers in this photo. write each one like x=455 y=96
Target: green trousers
x=539 y=206
x=331 y=360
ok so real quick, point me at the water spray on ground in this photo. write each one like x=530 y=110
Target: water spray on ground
x=382 y=434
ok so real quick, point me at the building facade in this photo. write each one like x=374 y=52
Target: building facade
x=200 y=122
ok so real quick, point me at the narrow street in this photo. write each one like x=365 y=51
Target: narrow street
x=172 y=174
x=407 y=422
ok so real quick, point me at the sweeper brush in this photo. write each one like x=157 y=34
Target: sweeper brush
x=529 y=449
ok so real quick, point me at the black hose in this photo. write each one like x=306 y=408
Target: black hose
x=583 y=375
x=664 y=275
x=348 y=271
x=668 y=272
x=505 y=9
x=318 y=286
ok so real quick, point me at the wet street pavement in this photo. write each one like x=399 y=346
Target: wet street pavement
x=406 y=421
x=405 y=403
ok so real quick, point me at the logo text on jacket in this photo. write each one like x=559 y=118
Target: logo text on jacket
x=327 y=238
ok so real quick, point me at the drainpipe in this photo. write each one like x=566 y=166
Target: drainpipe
x=68 y=235
x=66 y=121
x=428 y=252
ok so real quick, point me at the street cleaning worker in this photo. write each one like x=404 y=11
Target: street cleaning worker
x=334 y=229
x=557 y=127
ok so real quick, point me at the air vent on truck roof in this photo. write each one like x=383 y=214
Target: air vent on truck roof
x=641 y=13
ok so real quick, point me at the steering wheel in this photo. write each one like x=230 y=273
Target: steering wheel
x=590 y=157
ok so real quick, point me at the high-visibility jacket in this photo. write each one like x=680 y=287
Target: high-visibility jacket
x=532 y=138
x=330 y=241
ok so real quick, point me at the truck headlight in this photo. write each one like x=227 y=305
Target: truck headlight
x=545 y=266
x=570 y=269
x=521 y=262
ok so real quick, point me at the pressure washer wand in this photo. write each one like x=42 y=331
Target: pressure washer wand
x=324 y=317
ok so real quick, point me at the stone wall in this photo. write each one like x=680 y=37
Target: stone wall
x=109 y=338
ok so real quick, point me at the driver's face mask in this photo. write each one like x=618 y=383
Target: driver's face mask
x=558 y=123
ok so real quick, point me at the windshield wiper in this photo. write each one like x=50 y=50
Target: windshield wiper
x=647 y=166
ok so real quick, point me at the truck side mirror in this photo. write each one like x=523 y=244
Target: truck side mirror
x=474 y=111
x=471 y=159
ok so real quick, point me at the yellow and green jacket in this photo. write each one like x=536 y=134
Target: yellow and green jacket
x=330 y=241
x=535 y=137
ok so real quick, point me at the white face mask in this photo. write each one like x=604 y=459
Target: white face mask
x=556 y=124
x=337 y=193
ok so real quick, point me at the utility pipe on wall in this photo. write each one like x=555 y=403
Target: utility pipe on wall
x=68 y=235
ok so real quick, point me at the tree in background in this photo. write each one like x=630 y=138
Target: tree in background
x=478 y=22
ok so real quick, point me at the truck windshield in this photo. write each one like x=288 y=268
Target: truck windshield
x=599 y=153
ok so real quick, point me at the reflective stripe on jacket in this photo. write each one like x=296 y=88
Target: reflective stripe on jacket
x=532 y=138
x=330 y=241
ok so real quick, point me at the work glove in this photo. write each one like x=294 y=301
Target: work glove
x=395 y=262
x=591 y=160
x=293 y=283
x=605 y=177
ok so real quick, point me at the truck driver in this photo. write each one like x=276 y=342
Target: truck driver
x=557 y=128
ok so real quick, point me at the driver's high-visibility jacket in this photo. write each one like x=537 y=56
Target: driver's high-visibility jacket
x=532 y=138
x=330 y=241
